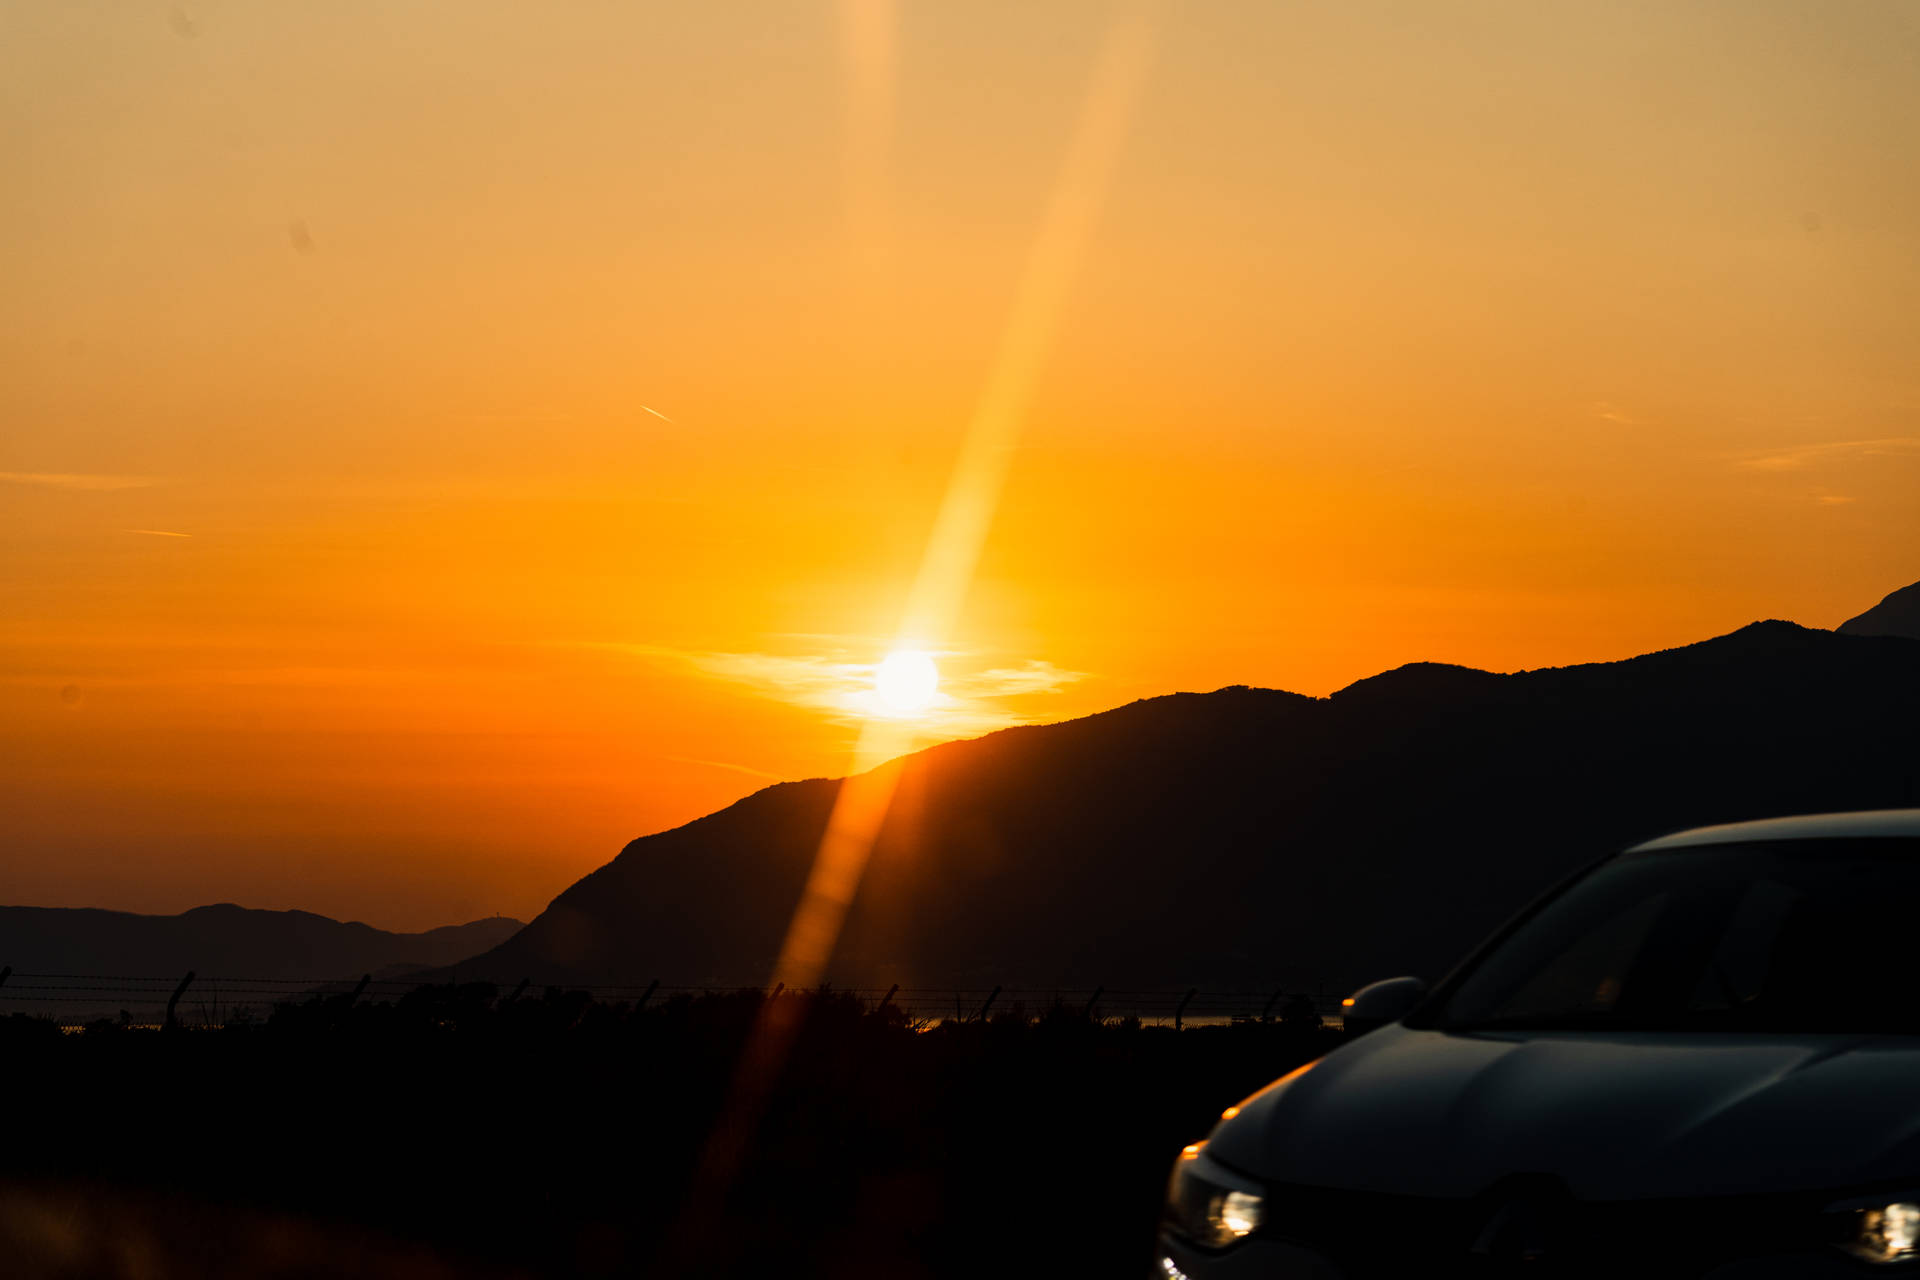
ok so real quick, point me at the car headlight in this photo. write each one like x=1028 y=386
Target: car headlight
x=1887 y=1231
x=1210 y=1205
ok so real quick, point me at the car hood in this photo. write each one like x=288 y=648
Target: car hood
x=1612 y=1115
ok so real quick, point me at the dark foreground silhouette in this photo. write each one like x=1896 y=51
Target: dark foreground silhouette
x=458 y=1133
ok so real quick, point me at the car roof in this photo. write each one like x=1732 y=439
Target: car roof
x=1868 y=824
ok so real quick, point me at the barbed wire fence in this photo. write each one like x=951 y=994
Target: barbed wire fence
x=196 y=1000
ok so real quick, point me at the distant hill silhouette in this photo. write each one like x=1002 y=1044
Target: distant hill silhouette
x=1251 y=838
x=1897 y=615
x=228 y=940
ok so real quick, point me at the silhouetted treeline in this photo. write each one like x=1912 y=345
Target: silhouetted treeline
x=459 y=1130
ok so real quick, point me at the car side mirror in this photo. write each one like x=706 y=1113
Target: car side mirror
x=1381 y=1003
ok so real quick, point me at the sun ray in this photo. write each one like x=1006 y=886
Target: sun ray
x=946 y=570
x=966 y=513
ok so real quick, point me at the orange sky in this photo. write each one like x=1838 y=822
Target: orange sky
x=1339 y=337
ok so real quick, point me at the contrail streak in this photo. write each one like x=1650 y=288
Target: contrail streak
x=656 y=413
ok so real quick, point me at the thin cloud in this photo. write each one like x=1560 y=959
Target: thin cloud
x=722 y=764
x=1811 y=455
x=544 y=417
x=968 y=702
x=159 y=533
x=805 y=680
x=1607 y=411
x=1013 y=682
x=78 y=483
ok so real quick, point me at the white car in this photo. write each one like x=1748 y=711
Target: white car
x=1700 y=1057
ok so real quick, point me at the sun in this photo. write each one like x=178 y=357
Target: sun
x=906 y=681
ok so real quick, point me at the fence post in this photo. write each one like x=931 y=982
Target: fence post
x=1182 y=1008
x=519 y=990
x=887 y=998
x=991 y=997
x=1097 y=993
x=774 y=994
x=5 y=974
x=1267 y=1008
x=177 y=993
x=647 y=995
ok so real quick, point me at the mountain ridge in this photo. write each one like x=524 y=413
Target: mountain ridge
x=1224 y=837
x=226 y=939
x=1898 y=614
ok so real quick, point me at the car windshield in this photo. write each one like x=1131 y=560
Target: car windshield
x=1785 y=936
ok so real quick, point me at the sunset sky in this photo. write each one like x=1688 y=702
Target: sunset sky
x=440 y=442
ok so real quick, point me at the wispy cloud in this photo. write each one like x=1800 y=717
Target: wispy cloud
x=1029 y=678
x=1607 y=411
x=160 y=533
x=805 y=680
x=969 y=701
x=722 y=764
x=1804 y=457
x=83 y=483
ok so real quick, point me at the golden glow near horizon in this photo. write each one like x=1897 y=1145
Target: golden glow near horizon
x=442 y=444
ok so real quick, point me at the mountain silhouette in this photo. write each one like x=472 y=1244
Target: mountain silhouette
x=228 y=940
x=1251 y=839
x=1897 y=615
